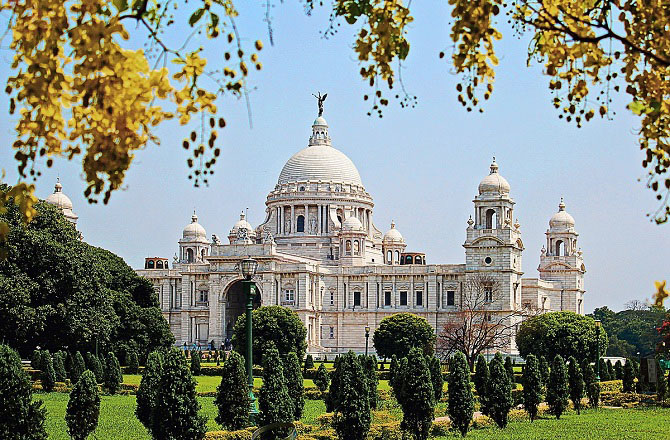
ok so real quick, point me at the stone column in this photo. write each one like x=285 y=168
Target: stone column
x=318 y=219
x=292 y=220
x=307 y=219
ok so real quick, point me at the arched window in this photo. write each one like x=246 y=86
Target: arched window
x=491 y=219
x=397 y=256
x=348 y=247
x=300 y=224
x=159 y=264
x=560 y=248
x=389 y=257
x=356 y=247
x=150 y=264
x=202 y=254
x=189 y=255
x=339 y=219
x=417 y=260
x=409 y=259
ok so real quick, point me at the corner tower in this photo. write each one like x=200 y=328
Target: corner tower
x=493 y=244
x=561 y=260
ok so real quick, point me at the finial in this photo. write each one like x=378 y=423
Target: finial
x=58 y=187
x=194 y=217
x=242 y=215
x=392 y=224
x=561 y=206
x=320 y=100
x=470 y=222
x=494 y=166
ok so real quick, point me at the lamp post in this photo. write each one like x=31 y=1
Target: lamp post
x=598 y=323
x=248 y=268
x=367 y=336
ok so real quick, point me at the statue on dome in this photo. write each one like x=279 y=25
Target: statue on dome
x=320 y=100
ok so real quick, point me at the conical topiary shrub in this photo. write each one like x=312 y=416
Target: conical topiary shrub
x=532 y=386
x=481 y=379
x=499 y=392
x=461 y=405
x=232 y=394
x=557 y=388
x=83 y=408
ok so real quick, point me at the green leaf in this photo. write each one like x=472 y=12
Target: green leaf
x=196 y=16
x=120 y=5
x=638 y=107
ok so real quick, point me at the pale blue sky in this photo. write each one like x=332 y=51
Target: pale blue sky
x=422 y=166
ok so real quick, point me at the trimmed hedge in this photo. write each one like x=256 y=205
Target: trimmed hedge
x=611 y=385
x=242 y=434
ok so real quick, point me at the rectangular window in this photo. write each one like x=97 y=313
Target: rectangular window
x=419 y=298
x=289 y=295
x=203 y=296
x=488 y=293
x=331 y=333
x=332 y=298
x=357 y=299
x=387 y=298
x=451 y=297
x=403 y=298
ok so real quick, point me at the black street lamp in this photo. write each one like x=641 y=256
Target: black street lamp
x=598 y=323
x=367 y=336
x=248 y=268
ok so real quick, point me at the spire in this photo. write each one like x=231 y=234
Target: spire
x=561 y=206
x=494 y=166
x=194 y=217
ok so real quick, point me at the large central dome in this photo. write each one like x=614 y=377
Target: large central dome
x=320 y=161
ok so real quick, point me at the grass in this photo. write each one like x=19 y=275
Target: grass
x=209 y=383
x=117 y=421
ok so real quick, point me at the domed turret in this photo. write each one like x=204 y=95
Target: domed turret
x=242 y=231
x=194 y=229
x=494 y=184
x=62 y=202
x=352 y=224
x=393 y=235
x=561 y=220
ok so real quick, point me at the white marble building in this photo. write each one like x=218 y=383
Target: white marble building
x=321 y=255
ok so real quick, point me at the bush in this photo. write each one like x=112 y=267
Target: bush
x=352 y=408
x=322 y=379
x=661 y=384
x=232 y=394
x=21 y=418
x=196 y=357
x=48 y=375
x=369 y=364
x=59 y=366
x=576 y=384
x=273 y=326
x=36 y=360
x=176 y=406
x=132 y=362
x=564 y=333
x=481 y=379
x=274 y=401
x=78 y=367
x=294 y=383
x=532 y=386
x=436 y=377
x=309 y=362
x=544 y=372
x=113 y=376
x=83 y=408
x=93 y=364
x=499 y=394
x=610 y=370
x=146 y=392
x=557 y=388
x=509 y=369
x=399 y=333
x=333 y=391
x=461 y=405
x=628 y=377
x=243 y=434
x=618 y=370
x=604 y=372
x=594 y=394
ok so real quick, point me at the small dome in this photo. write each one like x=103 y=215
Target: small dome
x=561 y=220
x=393 y=235
x=494 y=183
x=59 y=199
x=194 y=229
x=352 y=224
x=320 y=121
x=242 y=223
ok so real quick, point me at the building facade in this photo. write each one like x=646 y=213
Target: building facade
x=320 y=254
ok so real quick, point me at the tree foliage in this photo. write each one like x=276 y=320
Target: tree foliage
x=481 y=379
x=146 y=392
x=196 y=357
x=544 y=371
x=352 y=408
x=575 y=383
x=48 y=374
x=74 y=294
x=509 y=369
x=369 y=364
x=632 y=330
x=592 y=386
x=294 y=383
x=113 y=376
x=322 y=378
x=273 y=326
x=176 y=405
x=21 y=417
x=564 y=333
x=132 y=362
x=399 y=333
x=461 y=405
x=557 y=387
x=435 y=367
x=309 y=362
x=83 y=408
x=499 y=392
x=628 y=376
x=78 y=367
x=232 y=394
x=274 y=401
x=59 y=366
x=93 y=363
x=532 y=386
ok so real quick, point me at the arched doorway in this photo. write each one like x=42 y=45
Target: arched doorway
x=235 y=305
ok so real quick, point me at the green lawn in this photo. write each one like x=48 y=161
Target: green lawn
x=209 y=383
x=117 y=421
